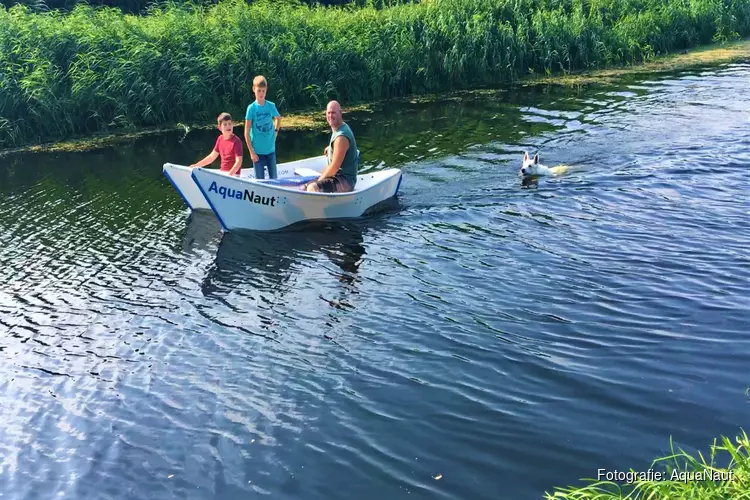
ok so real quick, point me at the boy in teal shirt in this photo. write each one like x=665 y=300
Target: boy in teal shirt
x=262 y=122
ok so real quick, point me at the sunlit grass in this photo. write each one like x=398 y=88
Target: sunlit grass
x=99 y=70
x=724 y=475
x=703 y=56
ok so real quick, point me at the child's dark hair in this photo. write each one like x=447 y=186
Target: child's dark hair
x=224 y=117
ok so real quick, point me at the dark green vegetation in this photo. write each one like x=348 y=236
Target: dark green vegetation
x=97 y=69
x=142 y=6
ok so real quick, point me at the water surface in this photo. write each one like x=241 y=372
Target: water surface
x=508 y=337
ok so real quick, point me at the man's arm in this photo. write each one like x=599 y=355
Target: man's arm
x=340 y=147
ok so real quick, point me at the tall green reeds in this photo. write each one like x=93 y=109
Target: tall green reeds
x=97 y=69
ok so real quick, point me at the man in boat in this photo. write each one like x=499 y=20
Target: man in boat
x=340 y=174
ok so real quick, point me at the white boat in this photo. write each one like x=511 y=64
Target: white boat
x=271 y=204
x=179 y=176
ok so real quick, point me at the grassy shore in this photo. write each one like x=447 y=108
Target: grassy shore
x=724 y=475
x=315 y=119
x=99 y=74
x=709 y=55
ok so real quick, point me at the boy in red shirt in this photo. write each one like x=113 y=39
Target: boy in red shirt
x=228 y=146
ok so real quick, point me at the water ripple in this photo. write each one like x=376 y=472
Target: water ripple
x=475 y=330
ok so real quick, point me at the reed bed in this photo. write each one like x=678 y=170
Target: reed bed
x=725 y=475
x=98 y=70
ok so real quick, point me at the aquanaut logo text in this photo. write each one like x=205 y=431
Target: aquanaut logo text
x=239 y=194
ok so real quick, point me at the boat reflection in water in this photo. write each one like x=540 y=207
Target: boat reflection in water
x=269 y=274
x=269 y=261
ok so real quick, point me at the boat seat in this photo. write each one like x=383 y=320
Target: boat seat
x=291 y=181
x=306 y=172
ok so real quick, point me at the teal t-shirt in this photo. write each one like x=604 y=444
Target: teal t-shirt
x=350 y=165
x=261 y=127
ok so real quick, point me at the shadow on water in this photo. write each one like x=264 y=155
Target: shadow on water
x=272 y=261
x=202 y=232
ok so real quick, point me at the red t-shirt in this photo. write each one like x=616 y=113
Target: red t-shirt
x=228 y=149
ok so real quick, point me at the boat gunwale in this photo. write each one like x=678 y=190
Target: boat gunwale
x=386 y=174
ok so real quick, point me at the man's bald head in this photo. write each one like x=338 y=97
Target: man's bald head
x=333 y=114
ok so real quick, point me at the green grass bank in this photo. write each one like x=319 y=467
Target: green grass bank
x=722 y=475
x=100 y=71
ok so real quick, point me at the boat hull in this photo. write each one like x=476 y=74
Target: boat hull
x=182 y=181
x=248 y=204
